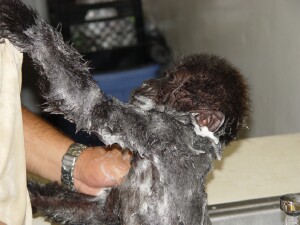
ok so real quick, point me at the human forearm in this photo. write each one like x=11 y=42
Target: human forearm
x=44 y=146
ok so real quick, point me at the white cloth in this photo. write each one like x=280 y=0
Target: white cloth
x=15 y=206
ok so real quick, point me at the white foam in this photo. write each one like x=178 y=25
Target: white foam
x=144 y=103
x=203 y=131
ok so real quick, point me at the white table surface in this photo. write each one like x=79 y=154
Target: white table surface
x=256 y=168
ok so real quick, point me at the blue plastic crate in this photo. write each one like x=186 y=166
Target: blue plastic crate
x=120 y=84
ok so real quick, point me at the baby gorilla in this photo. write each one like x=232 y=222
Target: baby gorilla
x=175 y=126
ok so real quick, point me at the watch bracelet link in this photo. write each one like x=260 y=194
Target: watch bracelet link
x=68 y=164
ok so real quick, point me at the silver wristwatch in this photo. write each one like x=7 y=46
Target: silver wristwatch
x=68 y=163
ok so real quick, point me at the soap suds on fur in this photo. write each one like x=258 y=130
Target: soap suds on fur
x=203 y=131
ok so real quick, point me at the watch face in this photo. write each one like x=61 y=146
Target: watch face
x=69 y=160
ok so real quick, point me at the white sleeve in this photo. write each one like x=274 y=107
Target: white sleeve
x=14 y=201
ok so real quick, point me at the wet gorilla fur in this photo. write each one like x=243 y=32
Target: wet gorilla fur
x=175 y=127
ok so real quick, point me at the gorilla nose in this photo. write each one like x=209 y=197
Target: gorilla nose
x=181 y=223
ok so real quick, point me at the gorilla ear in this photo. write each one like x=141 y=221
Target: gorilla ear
x=212 y=119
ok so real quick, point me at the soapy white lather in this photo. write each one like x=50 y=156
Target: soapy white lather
x=203 y=131
x=145 y=103
x=197 y=151
x=106 y=173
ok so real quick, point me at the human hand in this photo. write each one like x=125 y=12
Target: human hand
x=100 y=167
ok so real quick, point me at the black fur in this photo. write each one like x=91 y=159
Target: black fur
x=77 y=208
x=171 y=161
